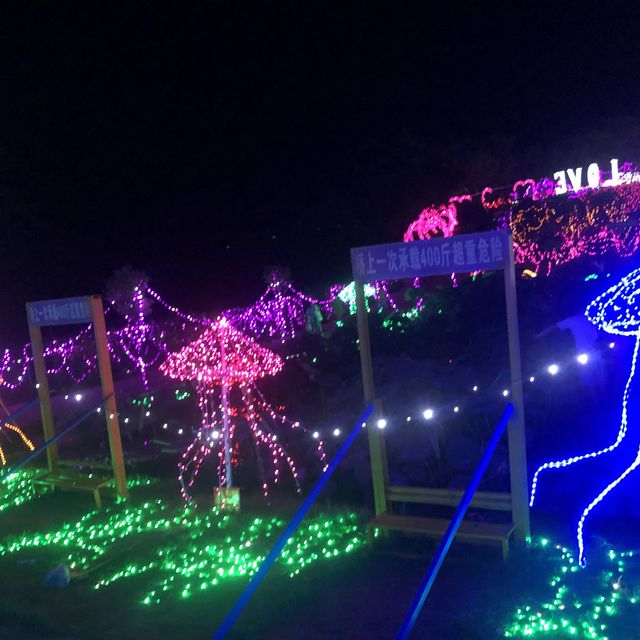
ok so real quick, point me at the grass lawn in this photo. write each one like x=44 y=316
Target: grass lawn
x=361 y=594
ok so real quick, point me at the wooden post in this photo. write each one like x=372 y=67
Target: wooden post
x=108 y=391
x=516 y=432
x=377 y=448
x=46 y=413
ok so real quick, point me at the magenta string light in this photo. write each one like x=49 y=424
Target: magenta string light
x=551 y=229
x=224 y=365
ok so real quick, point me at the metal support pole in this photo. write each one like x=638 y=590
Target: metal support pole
x=225 y=419
x=51 y=442
x=268 y=562
x=445 y=543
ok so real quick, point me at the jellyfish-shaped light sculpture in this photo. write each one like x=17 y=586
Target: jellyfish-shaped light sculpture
x=224 y=364
x=616 y=311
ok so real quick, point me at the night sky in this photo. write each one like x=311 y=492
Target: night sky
x=203 y=142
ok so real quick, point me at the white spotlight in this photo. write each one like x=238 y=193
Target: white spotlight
x=456 y=409
x=336 y=432
x=316 y=434
x=78 y=397
x=583 y=358
x=505 y=392
x=427 y=414
x=532 y=379
x=475 y=387
x=381 y=423
x=553 y=369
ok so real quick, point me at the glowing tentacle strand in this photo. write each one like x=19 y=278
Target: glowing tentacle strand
x=622 y=432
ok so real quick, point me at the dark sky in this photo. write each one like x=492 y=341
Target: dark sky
x=202 y=142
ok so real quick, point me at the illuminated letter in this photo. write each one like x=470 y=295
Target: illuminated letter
x=561 y=182
x=615 y=172
x=593 y=175
x=575 y=177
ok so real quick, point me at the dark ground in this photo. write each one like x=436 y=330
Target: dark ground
x=363 y=595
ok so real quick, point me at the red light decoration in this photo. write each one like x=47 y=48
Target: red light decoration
x=224 y=365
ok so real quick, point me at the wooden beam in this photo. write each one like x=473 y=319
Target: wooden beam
x=449 y=497
x=108 y=391
x=377 y=448
x=516 y=430
x=46 y=412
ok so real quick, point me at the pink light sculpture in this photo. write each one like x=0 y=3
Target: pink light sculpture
x=224 y=365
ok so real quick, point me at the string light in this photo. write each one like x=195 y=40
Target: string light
x=616 y=311
x=17 y=488
x=580 y=604
x=219 y=360
x=549 y=229
x=211 y=553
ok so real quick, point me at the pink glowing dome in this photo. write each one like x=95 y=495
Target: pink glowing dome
x=222 y=355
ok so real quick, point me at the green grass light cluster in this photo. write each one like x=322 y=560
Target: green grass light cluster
x=17 y=489
x=177 y=552
x=195 y=567
x=582 y=601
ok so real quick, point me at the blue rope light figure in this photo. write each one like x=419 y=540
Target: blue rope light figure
x=616 y=311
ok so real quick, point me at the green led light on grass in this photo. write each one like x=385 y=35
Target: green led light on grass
x=572 y=610
x=185 y=551
x=18 y=488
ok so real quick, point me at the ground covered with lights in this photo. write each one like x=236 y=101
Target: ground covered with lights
x=152 y=567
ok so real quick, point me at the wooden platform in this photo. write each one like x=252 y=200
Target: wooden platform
x=482 y=532
x=68 y=482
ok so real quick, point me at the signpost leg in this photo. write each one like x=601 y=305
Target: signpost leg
x=46 y=413
x=516 y=432
x=110 y=408
x=377 y=448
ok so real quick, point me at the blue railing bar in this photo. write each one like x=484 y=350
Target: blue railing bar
x=436 y=563
x=55 y=438
x=268 y=562
x=9 y=419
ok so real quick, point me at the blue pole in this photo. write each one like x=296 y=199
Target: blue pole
x=17 y=413
x=436 y=563
x=66 y=430
x=268 y=562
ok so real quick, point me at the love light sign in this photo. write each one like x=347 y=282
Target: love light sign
x=573 y=179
